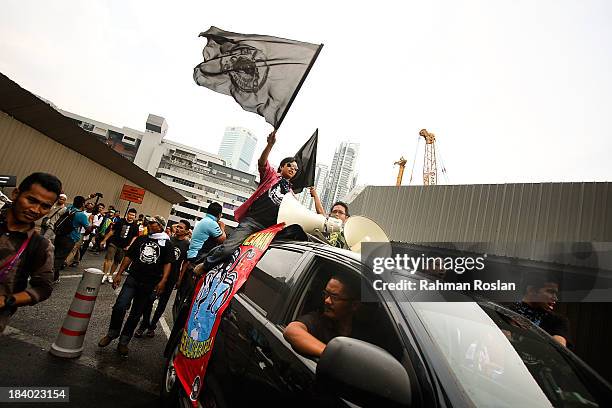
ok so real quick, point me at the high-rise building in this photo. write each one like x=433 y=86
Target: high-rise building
x=199 y=176
x=342 y=174
x=237 y=148
x=321 y=172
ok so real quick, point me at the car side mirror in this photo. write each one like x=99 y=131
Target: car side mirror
x=363 y=373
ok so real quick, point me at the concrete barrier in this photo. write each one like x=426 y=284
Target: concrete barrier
x=69 y=342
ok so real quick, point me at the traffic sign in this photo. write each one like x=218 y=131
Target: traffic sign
x=132 y=194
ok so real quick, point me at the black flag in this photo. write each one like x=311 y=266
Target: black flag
x=262 y=73
x=306 y=159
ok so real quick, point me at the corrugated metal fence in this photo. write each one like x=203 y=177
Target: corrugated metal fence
x=512 y=217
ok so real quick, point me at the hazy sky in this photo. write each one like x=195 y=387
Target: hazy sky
x=515 y=91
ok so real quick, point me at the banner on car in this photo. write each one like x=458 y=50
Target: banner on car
x=212 y=295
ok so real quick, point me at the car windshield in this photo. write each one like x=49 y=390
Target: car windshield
x=501 y=359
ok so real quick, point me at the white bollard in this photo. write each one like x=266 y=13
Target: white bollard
x=69 y=342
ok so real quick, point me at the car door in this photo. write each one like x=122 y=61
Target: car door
x=297 y=373
x=280 y=375
x=240 y=360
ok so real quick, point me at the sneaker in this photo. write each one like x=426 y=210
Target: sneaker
x=123 y=350
x=150 y=333
x=74 y=264
x=104 y=341
x=138 y=333
x=55 y=282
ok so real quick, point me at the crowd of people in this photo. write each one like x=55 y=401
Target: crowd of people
x=156 y=257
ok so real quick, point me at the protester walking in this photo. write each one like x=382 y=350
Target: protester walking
x=119 y=237
x=180 y=245
x=149 y=259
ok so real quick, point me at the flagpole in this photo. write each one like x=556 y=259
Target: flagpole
x=297 y=89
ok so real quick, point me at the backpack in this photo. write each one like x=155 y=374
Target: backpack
x=63 y=226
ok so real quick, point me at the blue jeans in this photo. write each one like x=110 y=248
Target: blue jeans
x=137 y=293
x=147 y=322
x=219 y=253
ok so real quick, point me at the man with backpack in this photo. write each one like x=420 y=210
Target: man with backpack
x=68 y=233
x=46 y=226
x=25 y=254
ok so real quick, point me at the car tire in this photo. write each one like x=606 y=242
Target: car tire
x=212 y=396
x=171 y=394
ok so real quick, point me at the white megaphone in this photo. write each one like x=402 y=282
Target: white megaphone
x=358 y=229
x=292 y=212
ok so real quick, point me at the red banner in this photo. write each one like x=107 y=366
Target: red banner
x=212 y=295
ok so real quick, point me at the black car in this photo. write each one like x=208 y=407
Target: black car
x=415 y=354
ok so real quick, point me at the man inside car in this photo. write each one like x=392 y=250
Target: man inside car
x=538 y=306
x=310 y=333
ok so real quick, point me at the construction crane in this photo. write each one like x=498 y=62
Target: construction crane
x=430 y=167
x=402 y=164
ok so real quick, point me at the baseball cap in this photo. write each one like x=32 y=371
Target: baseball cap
x=158 y=219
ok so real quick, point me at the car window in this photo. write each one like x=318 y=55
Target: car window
x=370 y=322
x=496 y=354
x=268 y=279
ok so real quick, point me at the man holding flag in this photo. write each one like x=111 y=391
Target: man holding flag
x=261 y=209
x=263 y=74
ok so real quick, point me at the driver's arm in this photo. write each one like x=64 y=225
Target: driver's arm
x=560 y=339
x=296 y=333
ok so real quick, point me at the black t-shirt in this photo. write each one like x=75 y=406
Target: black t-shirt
x=319 y=326
x=552 y=323
x=265 y=208
x=123 y=232
x=148 y=259
x=179 y=250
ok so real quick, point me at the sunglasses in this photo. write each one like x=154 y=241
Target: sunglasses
x=292 y=166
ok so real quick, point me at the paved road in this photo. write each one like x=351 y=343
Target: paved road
x=100 y=377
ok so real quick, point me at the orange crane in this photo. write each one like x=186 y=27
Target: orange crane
x=402 y=164
x=430 y=167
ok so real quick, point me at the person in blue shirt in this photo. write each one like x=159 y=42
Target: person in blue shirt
x=207 y=233
x=206 y=228
x=66 y=238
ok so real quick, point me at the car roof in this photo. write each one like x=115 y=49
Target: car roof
x=324 y=249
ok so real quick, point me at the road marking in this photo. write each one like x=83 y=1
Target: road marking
x=165 y=327
x=70 y=276
x=113 y=372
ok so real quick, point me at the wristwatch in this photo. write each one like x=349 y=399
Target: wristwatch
x=9 y=301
